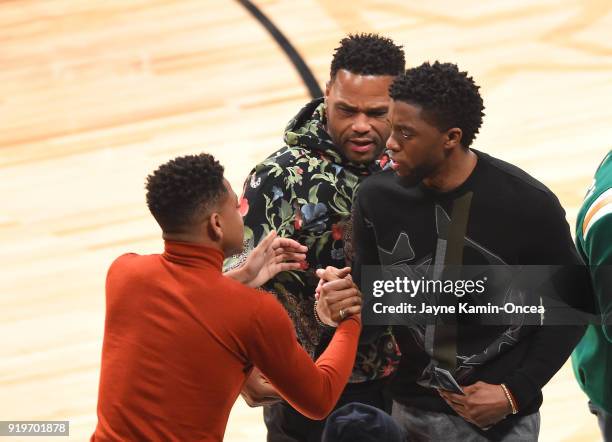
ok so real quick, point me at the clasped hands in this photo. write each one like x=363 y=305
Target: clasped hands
x=337 y=299
x=337 y=296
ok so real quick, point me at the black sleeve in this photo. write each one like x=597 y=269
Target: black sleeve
x=549 y=243
x=365 y=253
x=364 y=245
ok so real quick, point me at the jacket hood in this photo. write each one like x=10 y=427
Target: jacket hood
x=307 y=130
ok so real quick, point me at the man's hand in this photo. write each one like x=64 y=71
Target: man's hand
x=337 y=296
x=272 y=256
x=483 y=405
x=257 y=391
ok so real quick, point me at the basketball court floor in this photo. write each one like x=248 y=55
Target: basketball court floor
x=95 y=94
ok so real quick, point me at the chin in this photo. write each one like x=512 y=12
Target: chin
x=361 y=159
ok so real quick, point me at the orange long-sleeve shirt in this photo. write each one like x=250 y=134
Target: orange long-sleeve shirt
x=180 y=339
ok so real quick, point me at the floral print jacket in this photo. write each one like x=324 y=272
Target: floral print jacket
x=305 y=191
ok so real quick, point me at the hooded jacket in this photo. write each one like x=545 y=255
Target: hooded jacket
x=304 y=191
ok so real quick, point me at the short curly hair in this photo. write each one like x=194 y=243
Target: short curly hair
x=182 y=190
x=448 y=97
x=368 y=54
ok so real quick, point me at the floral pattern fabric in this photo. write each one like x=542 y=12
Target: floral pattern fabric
x=305 y=191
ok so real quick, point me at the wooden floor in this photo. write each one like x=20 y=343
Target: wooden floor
x=95 y=94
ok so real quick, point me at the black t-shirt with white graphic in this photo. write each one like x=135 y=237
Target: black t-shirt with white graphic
x=513 y=220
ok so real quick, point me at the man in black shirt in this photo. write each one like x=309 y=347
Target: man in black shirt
x=402 y=217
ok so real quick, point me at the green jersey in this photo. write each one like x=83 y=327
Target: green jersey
x=592 y=358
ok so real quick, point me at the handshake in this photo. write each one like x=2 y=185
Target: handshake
x=336 y=297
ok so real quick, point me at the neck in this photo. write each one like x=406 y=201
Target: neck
x=192 y=239
x=453 y=172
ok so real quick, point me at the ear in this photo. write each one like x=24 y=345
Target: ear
x=215 y=231
x=328 y=86
x=453 y=138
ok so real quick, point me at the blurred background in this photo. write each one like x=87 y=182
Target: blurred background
x=95 y=94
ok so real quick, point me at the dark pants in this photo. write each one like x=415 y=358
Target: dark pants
x=430 y=426
x=605 y=421
x=287 y=425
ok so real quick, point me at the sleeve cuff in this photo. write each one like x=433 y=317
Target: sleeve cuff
x=522 y=389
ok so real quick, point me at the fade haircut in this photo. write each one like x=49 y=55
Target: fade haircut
x=368 y=54
x=183 y=190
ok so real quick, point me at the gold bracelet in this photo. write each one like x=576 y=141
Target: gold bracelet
x=510 y=399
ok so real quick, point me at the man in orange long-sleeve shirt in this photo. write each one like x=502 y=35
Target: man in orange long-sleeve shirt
x=180 y=338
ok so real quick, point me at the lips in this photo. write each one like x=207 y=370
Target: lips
x=393 y=164
x=361 y=144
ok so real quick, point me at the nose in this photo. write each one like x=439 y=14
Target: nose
x=361 y=123
x=391 y=144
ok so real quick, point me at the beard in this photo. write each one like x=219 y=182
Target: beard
x=363 y=158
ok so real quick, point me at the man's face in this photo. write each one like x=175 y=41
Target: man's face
x=416 y=146
x=357 y=107
x=231 y=222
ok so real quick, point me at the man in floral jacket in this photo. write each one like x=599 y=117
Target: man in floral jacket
x=305 y=191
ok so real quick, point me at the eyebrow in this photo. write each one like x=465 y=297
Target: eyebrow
x=404 y=127
x=379 y=108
